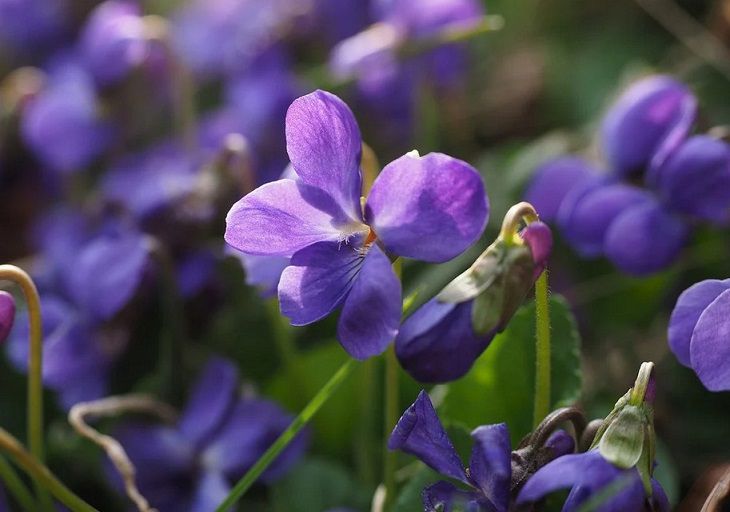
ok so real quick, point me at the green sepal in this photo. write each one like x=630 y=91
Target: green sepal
x=620 y=403
x=623 y=441
x=645 y=466
x=477 y=278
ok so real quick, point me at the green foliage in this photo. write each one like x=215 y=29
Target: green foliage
x=500 y=386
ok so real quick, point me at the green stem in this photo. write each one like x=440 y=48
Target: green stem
x=288 y=435
x=35 y=366
x=41 y=474
x=542 y=350
x=15 y=485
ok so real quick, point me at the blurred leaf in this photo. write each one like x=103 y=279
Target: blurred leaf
x=500 y=386
x=409 y=498
x=317 y=485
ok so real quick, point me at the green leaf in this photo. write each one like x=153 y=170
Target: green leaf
x=409 y=498
x=500 y=386
x=623 y=441
x=317 y=484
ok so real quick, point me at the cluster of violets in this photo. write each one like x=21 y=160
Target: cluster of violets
x=661 y=181
x=127 y=217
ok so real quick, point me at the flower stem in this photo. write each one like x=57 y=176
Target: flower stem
x=35 y=365
x=41 y=474
x=288 y=435
x=16 y=486
x=542 y=350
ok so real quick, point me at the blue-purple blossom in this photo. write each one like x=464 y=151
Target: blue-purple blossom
x=113 y=41
x=439 y=341
x=489 y=475
x=7 y=314
x=32 y=24
x=429 y=207
x=190 y=466
x=587 y=474
x=647 y=122
x=699 y=329
x=62 y=124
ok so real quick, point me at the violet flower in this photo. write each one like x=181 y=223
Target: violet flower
x=190 y=466
x=587 y=474
x=7 y=314
x=699 y=329
x=113 y=41
x=490 y=473
x=429 y=207
x=33 y=24
x=62 y=124
x=440 y=341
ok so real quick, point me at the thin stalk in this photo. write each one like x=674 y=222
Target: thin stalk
x=288 y=435
x=41 y=474
x=542 y=350
x=15 y=485
x=35 y=366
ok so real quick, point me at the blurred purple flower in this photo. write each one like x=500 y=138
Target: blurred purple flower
x=113 y=41
x=439 y=342
x=587 y=474
x=62 y=124
x=7 y=314
x=189 y=467
x=430 y=207
x=489 y=476
x=699 y=329
x=32 y=24
x=648 y=121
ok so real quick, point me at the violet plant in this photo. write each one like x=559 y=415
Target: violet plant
x=213 y=243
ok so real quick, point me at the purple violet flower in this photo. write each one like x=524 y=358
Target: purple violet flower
x=431 y=207
x=190 y=466
x=699 y=329
x=587 y=474
x=648 y=121
x=7 y=314
x=62 y=124
x=113 y=41
x=419 y=432
x=32 y=24
x=439 y=341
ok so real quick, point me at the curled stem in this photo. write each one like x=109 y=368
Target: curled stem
x=41 y=474
x=112 y=406
x=515 y=216
x=720 y=495
x=553 y=420
x=35 y=364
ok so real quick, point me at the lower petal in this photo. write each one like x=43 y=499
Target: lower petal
x=709 y=348
x=490 y=466
x=372 y=310
x=317 y=281
x=445 y=497
x=212 y=489
x=645 y=239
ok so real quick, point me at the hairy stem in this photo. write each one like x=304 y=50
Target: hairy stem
x=288 y=435
x=542 y=350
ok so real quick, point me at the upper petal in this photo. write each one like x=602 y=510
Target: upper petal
x=280 y=218
x=490 y=465
x=649 y=119
x=317 y=281
x=645 y=239
x=324 y=146
x=420 y=433
x=371 y=312
x=690 y=305
x=709 y=348
x=210 y=402
x=430 y=208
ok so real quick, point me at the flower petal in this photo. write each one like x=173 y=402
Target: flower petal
x=445 y=497
x=690 y=305
x=7 y=314
x=371 y=312
x=324 y=145
x=317 y=281
x=437 y=343
x=210 y=402
x=649 y=120
x=592 y=215
x=430 y=208
x=552 y=182
x=645 y=239
x=420 y=433
x=490 y=465
x=709 y=348
x=280 y=218
x=263 y=272
x=696 y=179
x=212 y=489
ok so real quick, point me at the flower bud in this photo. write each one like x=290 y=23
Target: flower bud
x=7 y=314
